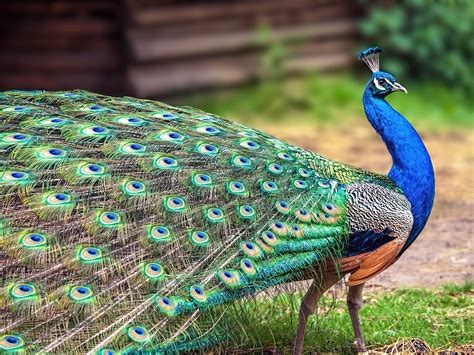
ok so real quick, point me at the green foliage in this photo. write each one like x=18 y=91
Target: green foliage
x=273 y=56
x=425 y=39
x=443 y=318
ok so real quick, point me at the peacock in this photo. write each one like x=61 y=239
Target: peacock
x=132 y=226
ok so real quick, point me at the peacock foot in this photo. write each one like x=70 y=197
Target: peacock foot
x=359 y=346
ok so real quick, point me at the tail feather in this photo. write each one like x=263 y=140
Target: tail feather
x=131 y=225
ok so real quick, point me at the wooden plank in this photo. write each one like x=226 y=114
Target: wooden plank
x=58 y=41
x=238 y=23
x=175 y=14
x=50 y=9
x=107 y=82
x=149 y=49
x=317 y=47
x=57 y=61
x=311 y=62
x=66 y=27
x=160 y=79
x=149 y=81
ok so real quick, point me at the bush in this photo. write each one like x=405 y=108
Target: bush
x=428 y=40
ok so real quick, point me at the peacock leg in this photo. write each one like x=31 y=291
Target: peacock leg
x=308 y=306
x=354 y=304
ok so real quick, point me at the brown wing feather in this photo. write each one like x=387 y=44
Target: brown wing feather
x=365 y=266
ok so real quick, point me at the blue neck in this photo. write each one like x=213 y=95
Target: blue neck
x=412 y=170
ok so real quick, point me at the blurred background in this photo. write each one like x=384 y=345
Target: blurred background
x=284 y=66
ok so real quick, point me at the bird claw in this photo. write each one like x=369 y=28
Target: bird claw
x=359 y=347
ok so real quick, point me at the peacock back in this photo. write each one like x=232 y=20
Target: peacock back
x=128 y=224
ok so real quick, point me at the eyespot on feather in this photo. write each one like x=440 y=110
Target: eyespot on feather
x=31 y=240
x=93 y=108
x=171 y=136
x=109 y=219
x=159 y=233
x=275 y=169
x=331 y=209
x=268 y=187
x=207 y=149
x=300 y=184
x=214 y=215
x=241 y=161
x=89 y=255
x=95 y=131
x=165 y=162
x=57 y=199
x=174 y=204
x=91 y=170
x=304 y=173
x=303 y=215
x=269 y=238
x=106 y=351
x=201 y=180
x=132 y=121
x=251 y=250
x=249 y=144
x=14 y=138
x=247 y=134
x=296 y=231
x=198 y=293
x=132 y=148
x=282 y=207
x=199 y=238
x=153 y=271
x=236 y=188
x=15 y=177
x=53 y=122
x=23 y=292
x=248 y=267
x=80 y=294
x=138 y=334
x=11 y=343
x=230 y=278
x=166 y=305
x=210 y=130
x=206 y=118
x=164 y=115
x=246 y=212
x=284 y=156
x=279 y=228
x=51 y=153
x=133 y=187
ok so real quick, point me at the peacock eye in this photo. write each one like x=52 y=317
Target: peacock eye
x=381 y=81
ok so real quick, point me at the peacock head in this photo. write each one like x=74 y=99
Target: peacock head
x=381 y=83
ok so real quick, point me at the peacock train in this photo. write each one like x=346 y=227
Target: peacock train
x=131 y=226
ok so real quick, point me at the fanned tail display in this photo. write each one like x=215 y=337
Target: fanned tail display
x=131 y=225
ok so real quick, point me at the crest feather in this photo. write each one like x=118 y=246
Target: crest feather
x=370 y=56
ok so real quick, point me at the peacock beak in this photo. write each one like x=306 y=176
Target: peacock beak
x=399 y=87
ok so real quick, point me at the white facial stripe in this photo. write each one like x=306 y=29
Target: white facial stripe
x=393 y=86
x=377 y=85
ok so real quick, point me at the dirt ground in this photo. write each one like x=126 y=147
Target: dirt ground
x=444 y=252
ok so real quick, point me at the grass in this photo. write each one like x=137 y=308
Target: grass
x=334 y=99
x=443 y=318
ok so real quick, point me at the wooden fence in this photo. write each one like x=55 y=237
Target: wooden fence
x=152 y=48
x=60 y=45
